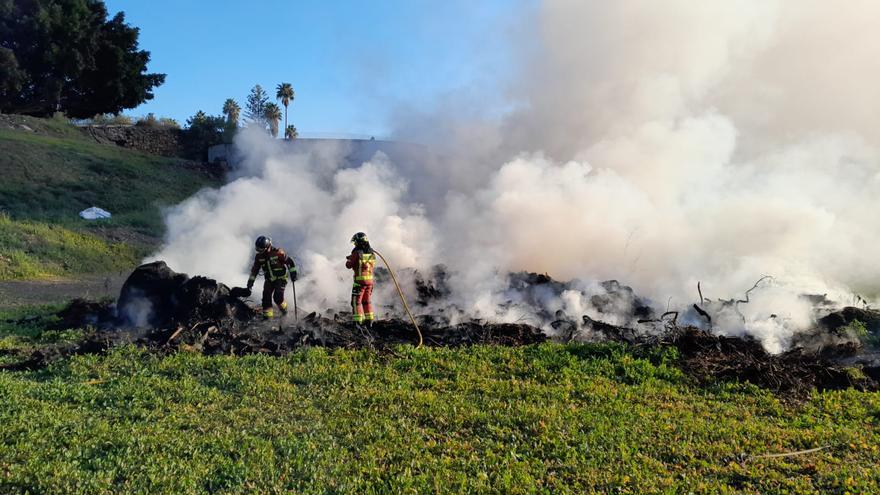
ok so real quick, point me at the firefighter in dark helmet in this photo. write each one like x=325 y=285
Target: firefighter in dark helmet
x=362 y=260
x=276 y=266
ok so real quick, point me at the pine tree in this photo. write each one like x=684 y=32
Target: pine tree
x=255 y=109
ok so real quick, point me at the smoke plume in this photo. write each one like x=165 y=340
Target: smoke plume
x=657 y=143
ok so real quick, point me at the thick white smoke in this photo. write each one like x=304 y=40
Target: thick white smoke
x=309 y=206
x=658 y=143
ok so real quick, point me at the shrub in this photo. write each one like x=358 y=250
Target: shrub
x=109 y=119
x=202 y=132
x=168 y=123
x=148 y=120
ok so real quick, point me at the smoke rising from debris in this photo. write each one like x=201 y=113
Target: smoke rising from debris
x=659 y=144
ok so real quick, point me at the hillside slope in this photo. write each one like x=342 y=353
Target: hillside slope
x=51 y=171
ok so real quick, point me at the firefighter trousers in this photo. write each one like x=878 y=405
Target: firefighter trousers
x=274 y=290
x=361 y=302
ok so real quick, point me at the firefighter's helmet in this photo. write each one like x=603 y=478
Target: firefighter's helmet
x=263 y=243
x=359 y=238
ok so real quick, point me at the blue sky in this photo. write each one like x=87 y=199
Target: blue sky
x=350 y=62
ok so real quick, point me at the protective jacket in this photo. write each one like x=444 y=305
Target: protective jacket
x=362 y=263
x=275 y=264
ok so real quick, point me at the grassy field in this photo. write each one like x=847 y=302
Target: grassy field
x=39 y=250
x=542 y=419
x=24 y=329
x=52 y=174
x=52 y=178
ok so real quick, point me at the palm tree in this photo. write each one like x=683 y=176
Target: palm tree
x=284 y=92
x=232 y=111
x=290 y=132
x=273 y=115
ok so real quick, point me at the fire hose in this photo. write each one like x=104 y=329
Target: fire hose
x=400 y=293
x=295 y=307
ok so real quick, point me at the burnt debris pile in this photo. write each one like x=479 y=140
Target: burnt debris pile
x=165 y=311
x=161 y=309
x=613 y=302
x=711 y=358
x=156 y=296
x=278 y=337
x=841 y=362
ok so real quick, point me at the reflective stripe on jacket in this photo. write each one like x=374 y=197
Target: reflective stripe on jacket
x=275 y=264
x=362 y=263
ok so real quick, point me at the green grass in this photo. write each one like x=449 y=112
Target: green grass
x=52 y=178
x=52 y=174
x=36 y=250
x=542 y=419
x=24 y=329
x=58 y=126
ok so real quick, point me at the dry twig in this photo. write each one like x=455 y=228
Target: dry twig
x=786 y=454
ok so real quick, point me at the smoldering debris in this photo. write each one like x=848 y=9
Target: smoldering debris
x=611 y=301
x=94 y=343
x=80 y=312
x=156 y=296
x=164 y=311
x=281 y=337
x=711 y=358
x=161 y=309
x=839 y=320
x=825 y=358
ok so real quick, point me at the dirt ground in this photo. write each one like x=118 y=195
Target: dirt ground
x=18 y=293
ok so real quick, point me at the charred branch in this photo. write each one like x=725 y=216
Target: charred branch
x=669 y=322
x=703 y=313
x=700 y=292
x=746 y=300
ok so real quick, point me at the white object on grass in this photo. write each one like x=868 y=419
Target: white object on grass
x=94 y=213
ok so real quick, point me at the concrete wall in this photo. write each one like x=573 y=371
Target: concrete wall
x=223 y=153
x=156 y=140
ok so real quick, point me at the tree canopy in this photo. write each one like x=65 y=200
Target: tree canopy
x=232 y=111
x=259 y=112
x=66 y=55
x=273 y=116
x=284 y=93
x=255 y=108
x=202 y=132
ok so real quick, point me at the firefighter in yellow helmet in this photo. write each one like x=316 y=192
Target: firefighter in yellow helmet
x=276 y=266
x=362 y=260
